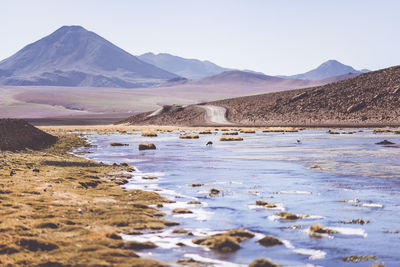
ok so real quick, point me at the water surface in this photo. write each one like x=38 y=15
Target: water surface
x=273 y=167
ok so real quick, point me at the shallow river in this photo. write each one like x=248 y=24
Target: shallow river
x=357 y=180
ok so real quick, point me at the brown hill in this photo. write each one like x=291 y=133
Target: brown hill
x=370 y=98
x=18 y=135
x=191 y=115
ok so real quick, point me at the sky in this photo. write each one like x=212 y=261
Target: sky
x=280 y=37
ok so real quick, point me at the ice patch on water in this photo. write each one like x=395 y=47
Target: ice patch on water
x=198 y=214
x=151 y=186
x=314 y=217
x=183 y=204
x=307 y=231
x=145 y=186
x=295 y=192
x=373 y=205
x=258 y=236
x=164 y=240
x=356 y=200
x=142 y=174
x=230 y=182
x=279 y=206
x=350 y=231
x=205 y=232
x=303 y=217
x=273 y=218
x=341 y=230
x=314 y=254
x=287 y=244
x=218 y=263
x=202 y=204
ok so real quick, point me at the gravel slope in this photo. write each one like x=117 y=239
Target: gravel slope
x=19 y=135
x=368 y=99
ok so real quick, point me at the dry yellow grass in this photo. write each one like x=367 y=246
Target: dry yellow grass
x=230 y=133
x=121 y=128
x=149 y=134
x=189 y=136
x=235 y=138
x=70 y=208
x=395 y=131
x=281 y=130
x=247 y=130
x=226 y=242
x=318 y=229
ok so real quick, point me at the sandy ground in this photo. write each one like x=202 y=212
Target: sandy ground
x=52 y=101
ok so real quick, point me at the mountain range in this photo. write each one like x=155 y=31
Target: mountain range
x=184 y=67
x=74 y=56
x=327 y=69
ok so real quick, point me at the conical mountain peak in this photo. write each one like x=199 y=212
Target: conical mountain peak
x=74 y=56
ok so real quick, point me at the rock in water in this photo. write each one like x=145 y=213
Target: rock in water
x=147 y=146
x=385 y=142
x=269 y=241
x=263 y=263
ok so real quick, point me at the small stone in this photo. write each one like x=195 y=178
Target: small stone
x=181 y=211
x=214 y=192
x=147 y=147
x=288 y=216
x=269 y=241
x=385 y=142
x=118 y=144
x=149 y=178
x=196 y=185
x=263 y=263
x=180 y=231
x=318 y=229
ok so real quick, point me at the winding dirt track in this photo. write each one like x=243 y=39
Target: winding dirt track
x=215 y=114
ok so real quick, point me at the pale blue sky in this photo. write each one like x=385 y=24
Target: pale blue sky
x=274 y=37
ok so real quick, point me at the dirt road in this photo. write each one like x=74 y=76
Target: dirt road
x=215 y=114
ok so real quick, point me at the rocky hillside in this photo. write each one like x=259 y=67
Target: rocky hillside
x=74 y=56
x=370 y=98
x=169 y=115
x=19 y=135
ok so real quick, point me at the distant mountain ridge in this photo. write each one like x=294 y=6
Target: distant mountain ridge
x=74 y=56
x=365 y=100
x=325 y=70
x=184 y=67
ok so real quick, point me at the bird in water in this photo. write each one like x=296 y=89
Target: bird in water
x=298 y=141
x=209 y=143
